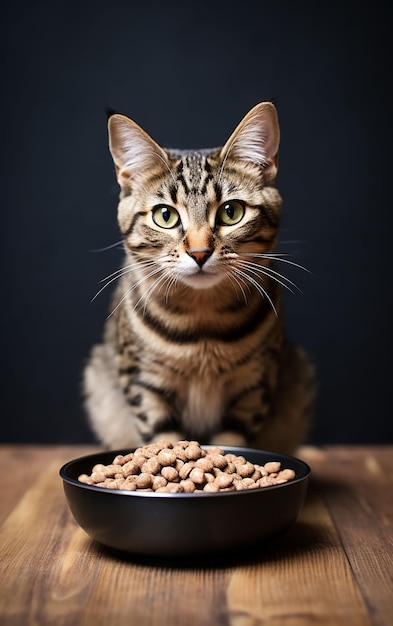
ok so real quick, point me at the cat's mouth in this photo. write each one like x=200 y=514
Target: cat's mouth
x=201 y=279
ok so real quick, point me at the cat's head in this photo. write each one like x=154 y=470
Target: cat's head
x=197 y=214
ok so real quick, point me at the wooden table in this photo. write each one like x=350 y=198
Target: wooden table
x=335 y=566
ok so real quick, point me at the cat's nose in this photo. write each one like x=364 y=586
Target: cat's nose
x=200 y=256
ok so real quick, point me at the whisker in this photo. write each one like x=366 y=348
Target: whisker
x=257 y=286
x=171 y=283
x=122 y=272
x=124 y=269
x=271 y=273
x=276 y=257
x=232 y=278
x=161 y=158
x=131 y=289
x=147 y=293
x=220 y=173
x=267 y=255
x=112 y=245
x=127 y=268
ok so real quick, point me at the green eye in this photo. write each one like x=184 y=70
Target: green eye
x=230 y=213
x=165 y=216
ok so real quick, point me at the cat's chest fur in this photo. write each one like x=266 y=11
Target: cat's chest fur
x=195 y=346
x=201 y=359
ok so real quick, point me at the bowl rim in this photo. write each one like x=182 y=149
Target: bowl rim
x=239 y=450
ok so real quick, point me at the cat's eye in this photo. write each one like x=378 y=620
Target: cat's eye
x=165 y=216
x=230 y=213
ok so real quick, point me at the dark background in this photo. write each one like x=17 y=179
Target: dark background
x=188 y=72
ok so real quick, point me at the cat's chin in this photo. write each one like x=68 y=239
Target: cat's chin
x=201 y=280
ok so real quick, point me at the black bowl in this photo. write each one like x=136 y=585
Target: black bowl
x=172 y=525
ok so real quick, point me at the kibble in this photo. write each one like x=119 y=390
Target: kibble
x=144 y=480
x=185 y=467
x=159 y=482
x=151 y=466
x=170 y=473
x=193 y=451
x=166 y=457
x=197 y=475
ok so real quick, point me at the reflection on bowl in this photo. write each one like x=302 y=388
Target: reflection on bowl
x=172 y=525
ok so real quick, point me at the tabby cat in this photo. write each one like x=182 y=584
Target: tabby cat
x=195 y=345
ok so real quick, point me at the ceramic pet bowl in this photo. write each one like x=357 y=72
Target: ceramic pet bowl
x=175 y=525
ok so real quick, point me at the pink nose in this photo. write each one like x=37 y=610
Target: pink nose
x=200 y=256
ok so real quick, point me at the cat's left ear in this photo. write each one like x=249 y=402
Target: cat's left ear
x=256 y=139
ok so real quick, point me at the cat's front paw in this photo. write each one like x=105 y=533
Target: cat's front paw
x=168 y=435
x=228 y=438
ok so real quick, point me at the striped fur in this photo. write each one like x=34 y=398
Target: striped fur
x=195 y=346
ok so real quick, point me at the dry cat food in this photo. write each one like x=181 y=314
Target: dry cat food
x=184 y=467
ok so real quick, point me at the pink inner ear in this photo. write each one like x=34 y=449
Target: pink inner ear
x=256 y=139
x=133 y=151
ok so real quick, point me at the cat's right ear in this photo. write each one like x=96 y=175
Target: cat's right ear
x=132 y=149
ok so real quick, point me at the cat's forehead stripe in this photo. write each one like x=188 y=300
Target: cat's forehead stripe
x=192 y=175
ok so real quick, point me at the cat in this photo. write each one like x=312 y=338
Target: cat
x=195 y=345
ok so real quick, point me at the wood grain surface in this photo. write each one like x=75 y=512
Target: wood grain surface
x=334 y=567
